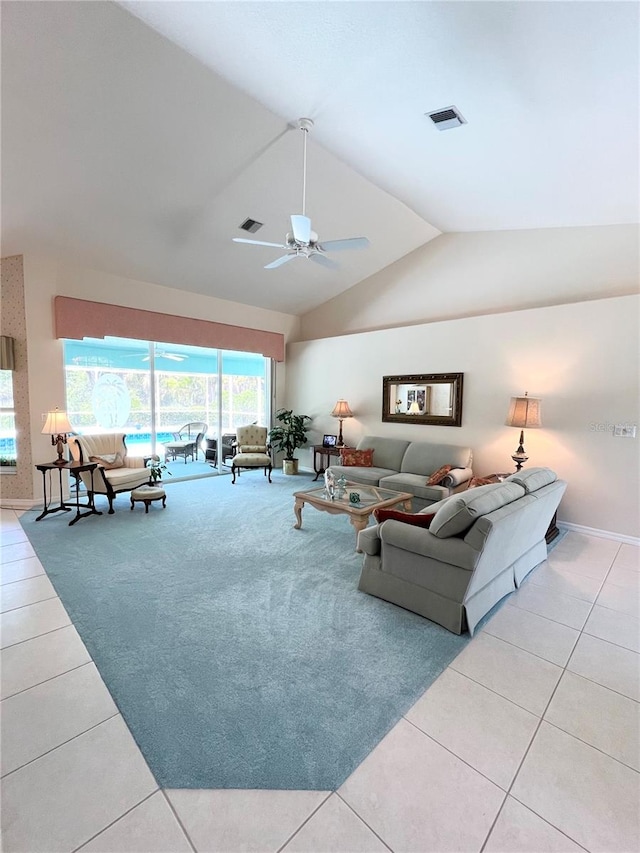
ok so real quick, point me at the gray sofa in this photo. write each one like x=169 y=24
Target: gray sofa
x=405 y=466
x=479 y=547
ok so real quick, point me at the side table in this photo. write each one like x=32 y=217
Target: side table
x=320 y=452
x=552 y=531
x=75 y=469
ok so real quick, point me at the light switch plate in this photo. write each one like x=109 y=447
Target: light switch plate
x=624 y=430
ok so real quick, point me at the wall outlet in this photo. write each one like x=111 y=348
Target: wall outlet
x=625 y=430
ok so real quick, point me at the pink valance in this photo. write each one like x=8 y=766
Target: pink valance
x=79 y=318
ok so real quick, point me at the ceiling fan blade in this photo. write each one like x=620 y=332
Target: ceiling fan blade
x=301 y=227
x=324 y=261
x=259 y=243
x=279 y=261
x=348 y=243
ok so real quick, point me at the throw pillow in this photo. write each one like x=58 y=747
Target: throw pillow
x=109 y=460
x=480 y=481
x=439 y=475
x=418 y=519
x=360 y=458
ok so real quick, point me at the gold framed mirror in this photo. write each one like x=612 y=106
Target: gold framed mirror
x=423 y=398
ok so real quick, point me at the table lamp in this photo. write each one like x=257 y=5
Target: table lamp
x=414 y=409
x=524 y=413
x=57 y=426
x=341 y=411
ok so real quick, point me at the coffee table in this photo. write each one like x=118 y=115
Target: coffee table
x=371 y=498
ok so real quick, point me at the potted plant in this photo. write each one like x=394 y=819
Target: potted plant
x=288 y=436
x=156 y=467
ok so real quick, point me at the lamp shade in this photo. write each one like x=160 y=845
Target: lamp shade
x=414 y=409
x=57 y=423
x=524 y=412
x=342 y=410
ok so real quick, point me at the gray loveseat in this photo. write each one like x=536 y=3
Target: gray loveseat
x=479 y=547
x=405 y=466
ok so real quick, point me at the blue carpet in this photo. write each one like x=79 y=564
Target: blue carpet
x=238 y=649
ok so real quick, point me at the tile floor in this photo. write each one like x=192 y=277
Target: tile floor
x=528 y=742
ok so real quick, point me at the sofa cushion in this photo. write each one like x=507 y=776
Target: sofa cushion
x=460 y=511
x=532 y=479
x=356 y=458
x=418 y=519
x=108 y=460
x=425 y=457
x=438 y=476
x=389 y=452
x=416 y=485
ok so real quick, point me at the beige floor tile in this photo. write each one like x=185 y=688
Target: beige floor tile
x=519 y=830
x=616 y=627
x=628 y=557
x=69 y=795
x=598 y=716
x=487 y=731
x=536 y=634
x=565 y=582
x=561 y=608
x=334 y=828
x=20 y=570
x=589 y=796
x=34 y=661
x=32 y=621
x=417 y=796
x=150 y=827
x=260 y=821
x=19 y=551
x=589 y=567
x=582 y=547
x=607 y=664
x=29 y=591
x=43 y=717
x=13 y=535
x=514 y=673
x=9 y=520
x=620 y=598
x=627 y=578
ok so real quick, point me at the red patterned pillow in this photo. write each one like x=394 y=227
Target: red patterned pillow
x=360 y=458
x=418 y=519
x=480 y=481
x=439 y=475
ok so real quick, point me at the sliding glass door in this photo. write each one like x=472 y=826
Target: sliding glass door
x=150 y=390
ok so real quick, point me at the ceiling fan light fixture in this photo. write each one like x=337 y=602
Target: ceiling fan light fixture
x=447 y=118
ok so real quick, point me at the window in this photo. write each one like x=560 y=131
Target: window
x=8 y=450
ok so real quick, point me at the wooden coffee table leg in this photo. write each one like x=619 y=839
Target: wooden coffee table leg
x=359 y=522
x=297 y=508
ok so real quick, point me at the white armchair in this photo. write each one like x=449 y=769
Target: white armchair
x=116 y=471
x=253 y=450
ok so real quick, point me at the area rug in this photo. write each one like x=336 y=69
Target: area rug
x=238 y=649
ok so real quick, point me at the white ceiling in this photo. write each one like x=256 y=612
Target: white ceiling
x=137 y=145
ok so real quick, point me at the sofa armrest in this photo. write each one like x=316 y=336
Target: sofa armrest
x=456 y=477
x=134 y=462
x=369 y=540
x=418 y=540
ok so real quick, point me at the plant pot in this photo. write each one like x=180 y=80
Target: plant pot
x=290 y=466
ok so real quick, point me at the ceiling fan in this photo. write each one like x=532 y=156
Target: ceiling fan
x=171 y=356
x=301 y=241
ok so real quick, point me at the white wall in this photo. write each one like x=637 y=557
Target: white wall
x=581 y=359
x=45 y=278
x=462 y=275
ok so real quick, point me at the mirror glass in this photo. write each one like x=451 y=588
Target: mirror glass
x=425 y=398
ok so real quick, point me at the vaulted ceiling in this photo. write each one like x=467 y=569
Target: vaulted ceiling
x=136 y=137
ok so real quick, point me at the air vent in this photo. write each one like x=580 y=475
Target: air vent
x=251 y=225
x=447 y=117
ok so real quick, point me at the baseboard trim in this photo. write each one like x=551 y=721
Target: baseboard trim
x=603 y=534
x=16 y=503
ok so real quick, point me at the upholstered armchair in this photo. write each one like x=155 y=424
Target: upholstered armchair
x=253 y=450
x=116 y=471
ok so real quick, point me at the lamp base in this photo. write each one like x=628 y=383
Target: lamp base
x=340 y=439
x=519 y=459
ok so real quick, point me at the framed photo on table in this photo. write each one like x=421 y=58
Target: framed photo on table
x=329 y=440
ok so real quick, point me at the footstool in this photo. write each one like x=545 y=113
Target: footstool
x=148 y=494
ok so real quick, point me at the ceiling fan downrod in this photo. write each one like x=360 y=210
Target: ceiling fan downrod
x=305 y=125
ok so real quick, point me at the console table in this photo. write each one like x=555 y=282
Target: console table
x=320 y=452
x=74 y=468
